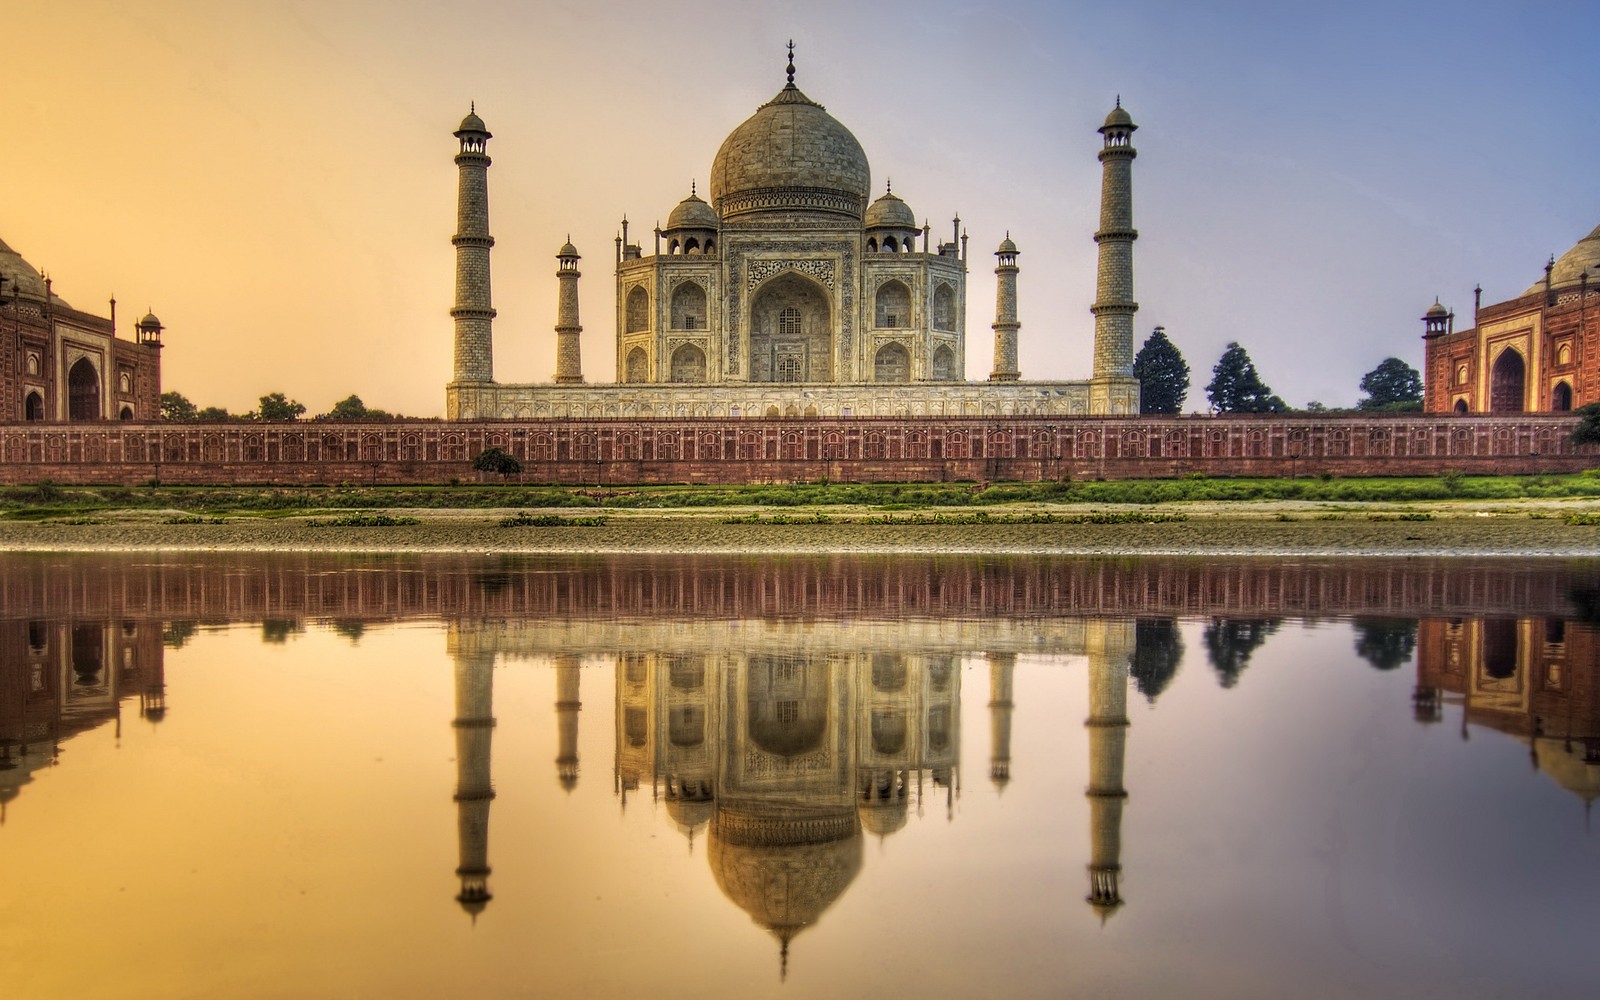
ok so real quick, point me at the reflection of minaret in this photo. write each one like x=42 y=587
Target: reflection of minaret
x=567 y=706
x=1108 y=734
x=1000 y=667
x=474 y=725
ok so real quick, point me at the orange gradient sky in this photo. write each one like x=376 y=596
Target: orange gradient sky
x=274 y=179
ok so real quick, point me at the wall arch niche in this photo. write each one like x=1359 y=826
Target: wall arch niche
x=83 y=391
x=891 y=364
x=638 y=310
x=787 y=704
x=33 y=407
x=892 y=307
x=1507 y=382
x=944 y=308
x=689 y=306
x=688 y=364
x=637 y=368
x=1561 y=397
x=791 y=332
x=944 y=363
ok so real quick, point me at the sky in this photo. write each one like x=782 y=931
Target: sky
x=275 y=179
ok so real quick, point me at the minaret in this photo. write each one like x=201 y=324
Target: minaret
x=1113 y=381
x=569 y=365
x=1005 y=314
x=1108 y=737
x=473 y=312
x=567 y=706
x=474 y=726
x=1000 y=705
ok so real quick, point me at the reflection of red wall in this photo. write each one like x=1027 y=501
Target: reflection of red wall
x=1524 y=676
x=289 y=586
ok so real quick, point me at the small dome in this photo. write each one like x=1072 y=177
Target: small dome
x=473 y=124
x=1570 y=266
x=1437 y=310
x=149 y=322
x=567 y=250
x=891 y=212
x=1006 y=246
x=1119 y=117
x=693 y=213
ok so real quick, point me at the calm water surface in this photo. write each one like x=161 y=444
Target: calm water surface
x=312 y=776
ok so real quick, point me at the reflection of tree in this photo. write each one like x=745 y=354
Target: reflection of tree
x=1230 y=642
x=1586 y=601
x=1157 y=650
x=175 y=634
x=1386 y=643
x=279 y=629
x=351 y=628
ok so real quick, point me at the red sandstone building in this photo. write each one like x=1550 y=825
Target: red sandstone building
x=1539 y=352
x=59 y=364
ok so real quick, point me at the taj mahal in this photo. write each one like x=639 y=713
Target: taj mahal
x=789 y=291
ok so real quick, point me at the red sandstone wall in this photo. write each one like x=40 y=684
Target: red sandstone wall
x=788 y=450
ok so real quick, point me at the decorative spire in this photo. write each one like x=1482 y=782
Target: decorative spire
x=888 y=185
x=691 y=187
x=791 y=63
x=472 y=106
x=1119 y=100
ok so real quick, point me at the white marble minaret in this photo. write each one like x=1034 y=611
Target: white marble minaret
x=1113 y=389
x=1005 y=314
x=569 y=362
x=473 y=312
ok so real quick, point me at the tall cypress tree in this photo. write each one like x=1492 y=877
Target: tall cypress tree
x=1162 y=373
x=1236 y=386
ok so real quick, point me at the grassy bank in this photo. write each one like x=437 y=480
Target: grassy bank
x=48 y=501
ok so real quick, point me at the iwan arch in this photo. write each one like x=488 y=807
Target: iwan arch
x=792 y=292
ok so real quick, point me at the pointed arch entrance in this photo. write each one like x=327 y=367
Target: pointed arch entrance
x=83 y=391
x=1561 y=397
x=1507 y=382
x=791 y=332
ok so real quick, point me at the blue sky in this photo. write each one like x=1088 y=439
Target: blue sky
x=274 y=179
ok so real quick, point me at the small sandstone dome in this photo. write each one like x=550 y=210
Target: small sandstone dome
x=472 y=123
x=790 y=156
x=149 y=322
x=693 y=213
x=1006 y=246
x=891 y=212
x=1437 y=310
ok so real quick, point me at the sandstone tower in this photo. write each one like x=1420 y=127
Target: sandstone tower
x=473 y=312
x=1113 y=387
x=1005 y=314
x=569 y=363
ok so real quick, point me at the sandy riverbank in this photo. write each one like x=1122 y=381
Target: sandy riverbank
x=1503 y=528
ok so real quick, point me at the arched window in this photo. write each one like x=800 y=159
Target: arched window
x=33 y=407
x=83 y=391
x=789 y=322
x=638 y=310
x=33 y=363
x=1461 y=375
x=889 y=245
x=1561 y=397
x=638 y=368
x=688 y=364
x=1564 y=355
x=689 y=306
x=892 y=364
x=944 y=307
x=1506 y=383
x=790 y=368
x=944 y=363
x=893 y=305
x=872 y=244
x=691 y=245
x=1461 y=407
x=126 y=413
x=124 y=382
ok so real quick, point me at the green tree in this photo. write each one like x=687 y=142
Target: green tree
x=1230 y=642
x=497 y=460
x=352 y=408
x=1236 y=386
x=277 y=406
x=176 y=406
x=1386 y=643
x=1391 y=385
x=213 y=414
x=1162 y=373
x=1588 y=429
x=1157 y=650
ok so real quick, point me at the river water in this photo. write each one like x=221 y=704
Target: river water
x=325 y=776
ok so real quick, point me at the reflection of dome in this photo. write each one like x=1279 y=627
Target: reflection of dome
x=890 y=211
x=883 y=818
x=693 y=213
x=791 y=155
x=784 y=868
x=1567 y=767
x=690 y=813
x=1570 y=265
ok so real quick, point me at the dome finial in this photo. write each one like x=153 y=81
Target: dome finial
x=472 y=106
x=888 y=185
x=1119 y=100
x=791 y=62
x=691 y=187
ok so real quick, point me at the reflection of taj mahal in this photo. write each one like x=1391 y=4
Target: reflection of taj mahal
x=793 y=292
x=785 y=751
